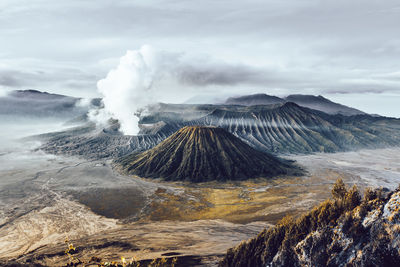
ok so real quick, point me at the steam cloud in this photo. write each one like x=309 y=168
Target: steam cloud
x=143 y=75
x=127 y=89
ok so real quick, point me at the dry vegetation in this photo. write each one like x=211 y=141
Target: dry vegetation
x=96 y=261
x=347 y=229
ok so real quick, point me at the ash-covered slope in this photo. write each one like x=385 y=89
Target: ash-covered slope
x=92 y=143
x=286 y=128
x=309 y=101
x=290 y=128
x=345 y=231
x=200 y=154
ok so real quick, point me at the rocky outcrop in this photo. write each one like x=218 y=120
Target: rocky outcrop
x=345 y=231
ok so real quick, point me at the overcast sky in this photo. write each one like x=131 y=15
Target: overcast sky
x=346 y=50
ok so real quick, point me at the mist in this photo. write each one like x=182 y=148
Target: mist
x=17 y=152
x=27 y=113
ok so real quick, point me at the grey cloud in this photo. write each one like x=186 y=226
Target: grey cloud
x=62 y=80
x=17 y=79
x=221 y=74
x=206 y=74
x=8 y=79
x=358 y=91
x=393 y=76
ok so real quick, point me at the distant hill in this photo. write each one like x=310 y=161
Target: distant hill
x=323 y=104
x=33 y=103
x=310 y=101
x=201 y=154
x=37 y=95
x=344 y=231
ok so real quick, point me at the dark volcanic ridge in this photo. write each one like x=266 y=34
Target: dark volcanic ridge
x=201 y=154
x=280 y=129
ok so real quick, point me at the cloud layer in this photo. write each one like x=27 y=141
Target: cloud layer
x=288 y=46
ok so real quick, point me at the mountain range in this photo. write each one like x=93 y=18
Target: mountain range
x=278 y=128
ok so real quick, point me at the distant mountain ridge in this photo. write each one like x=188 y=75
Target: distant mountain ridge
x=201 y=154
x=310 y=101
x=38 y=95
x=280 y=129
x=290 y=128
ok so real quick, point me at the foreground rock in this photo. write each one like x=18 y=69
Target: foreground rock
x=200 y=154
x=341 y=232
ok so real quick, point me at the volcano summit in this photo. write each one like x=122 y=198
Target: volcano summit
x=201 y=154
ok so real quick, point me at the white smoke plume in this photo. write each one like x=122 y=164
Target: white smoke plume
x=127 y=89
x=143 y=75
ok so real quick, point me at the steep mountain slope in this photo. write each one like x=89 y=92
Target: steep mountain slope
x=345 y=231
x=293 y=129
x=310 y=101
x=286 y=128
x=200 y=154
x=92 y=143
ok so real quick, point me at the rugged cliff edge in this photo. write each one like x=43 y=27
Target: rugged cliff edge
x=344 y=231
